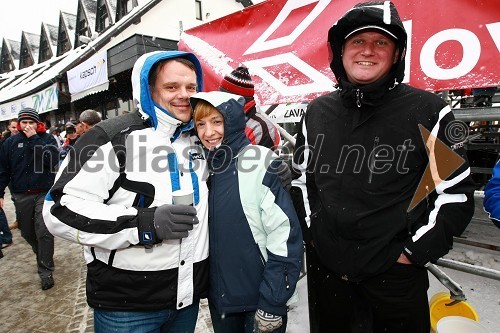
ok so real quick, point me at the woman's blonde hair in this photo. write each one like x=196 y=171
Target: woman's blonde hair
x=203 y=109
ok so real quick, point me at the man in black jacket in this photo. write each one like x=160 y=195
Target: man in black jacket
x=387 y=186
x=27 y=162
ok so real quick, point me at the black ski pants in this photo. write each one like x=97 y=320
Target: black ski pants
x=394 y=301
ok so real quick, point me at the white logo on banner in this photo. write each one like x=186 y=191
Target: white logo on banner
x=89 y=74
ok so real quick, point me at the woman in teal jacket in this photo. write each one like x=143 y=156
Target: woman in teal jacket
x=255 y=238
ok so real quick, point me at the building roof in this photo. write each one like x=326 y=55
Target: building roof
x=69 y=21
x=112 y=9
x=32 y=44
x=59 y=65
x=51 y=33
x=90 y=8
x=14 y=49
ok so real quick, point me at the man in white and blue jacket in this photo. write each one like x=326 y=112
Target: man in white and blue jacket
x=147 y=259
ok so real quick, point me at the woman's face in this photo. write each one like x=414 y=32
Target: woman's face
x=211 y=130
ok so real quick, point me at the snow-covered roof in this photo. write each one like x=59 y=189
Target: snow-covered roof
x=51 y=32
x=32 y=80
x=90 y=9
x=112 y=9
x=32 y=44
x=69 y=21
x=14 y=48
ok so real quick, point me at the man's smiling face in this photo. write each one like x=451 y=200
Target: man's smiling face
x=368 y=56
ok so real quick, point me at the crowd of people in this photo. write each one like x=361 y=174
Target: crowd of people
x=363 y=202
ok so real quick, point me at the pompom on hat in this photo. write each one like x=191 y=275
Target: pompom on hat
x=238 y=82
x=28 y=114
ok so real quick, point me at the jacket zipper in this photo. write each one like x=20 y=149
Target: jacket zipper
x=262 y=259
x=372 y=159
x=359 y=97
x=287 y=285
x=211 y=194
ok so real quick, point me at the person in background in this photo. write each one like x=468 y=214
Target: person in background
x=5 y=233
x=11 y=130
x=56 y=133
x=147 y=259
x=87 y=120
x=70 y=138
x=491 y=201
x=258 y=129
x=377 y=213
x=255 y=237
x=71 y=135
x=12 y=126
x=27 y=162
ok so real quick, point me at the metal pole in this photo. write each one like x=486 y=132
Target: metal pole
x=471 y=269
x=456 y=291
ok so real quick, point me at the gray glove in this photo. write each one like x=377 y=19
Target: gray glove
x=174 y=221
x=167 y=222
x=266 y=322
x=285 y=175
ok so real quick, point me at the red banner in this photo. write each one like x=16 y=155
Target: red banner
x=452 y=44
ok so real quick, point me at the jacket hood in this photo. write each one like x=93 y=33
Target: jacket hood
x=232 y=109
x=380 y=15
x=140 y=84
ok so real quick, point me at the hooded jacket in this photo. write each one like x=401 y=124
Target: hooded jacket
x=116 y=175
x=362 y=153
x=255 y=238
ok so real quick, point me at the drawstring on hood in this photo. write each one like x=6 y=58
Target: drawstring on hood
x=381 y=15
x=142 y=94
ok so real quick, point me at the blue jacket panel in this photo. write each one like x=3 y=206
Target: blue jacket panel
x=492 y=196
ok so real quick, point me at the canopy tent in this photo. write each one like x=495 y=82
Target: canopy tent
x=453 y=44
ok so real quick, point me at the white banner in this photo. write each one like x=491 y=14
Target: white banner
x=89 y=74
x=43 y=101
x=285 y=113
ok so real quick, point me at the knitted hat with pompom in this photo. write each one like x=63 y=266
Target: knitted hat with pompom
x=238 y=82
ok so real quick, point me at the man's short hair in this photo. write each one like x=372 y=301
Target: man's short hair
x=153 y=73
x=90 y=117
